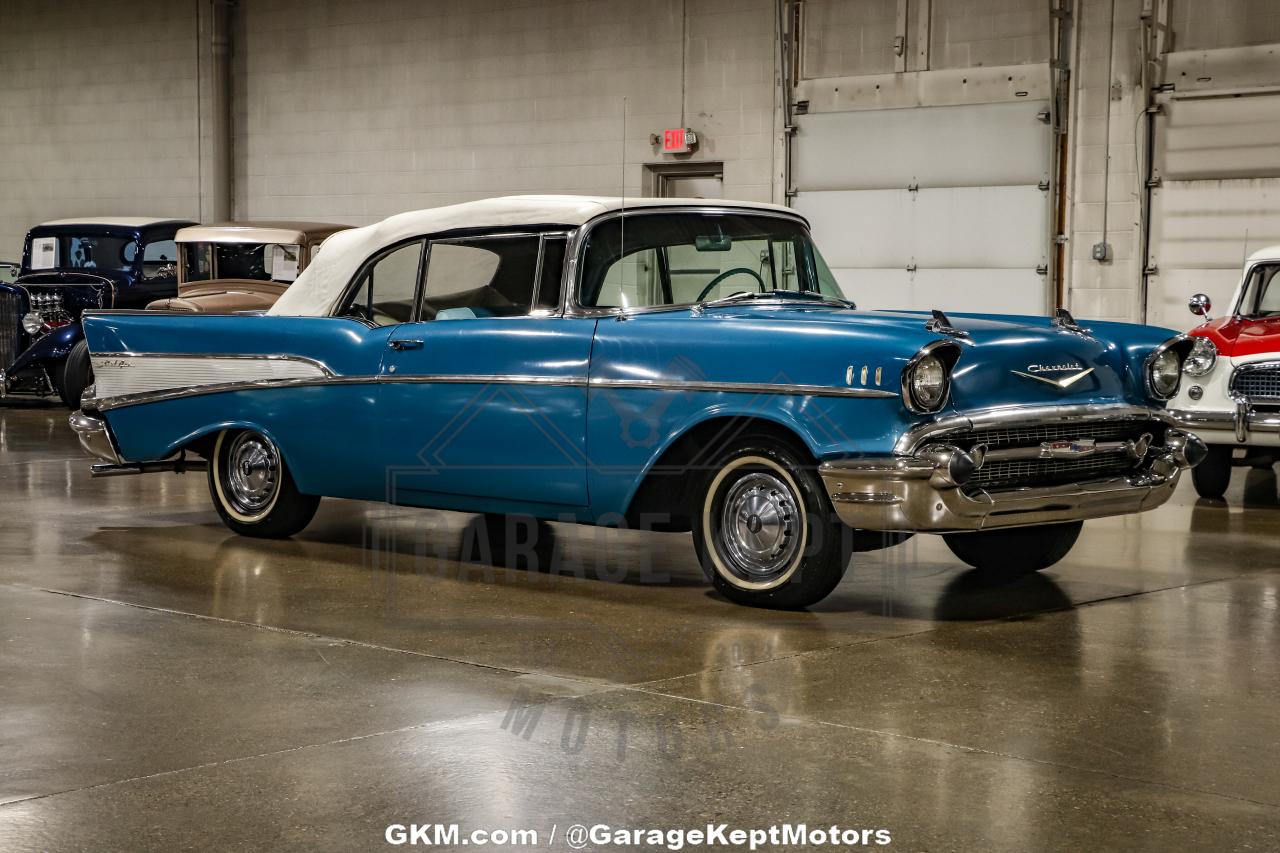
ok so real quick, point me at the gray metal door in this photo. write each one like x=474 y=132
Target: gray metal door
x=931 y=207
x=1216 y=197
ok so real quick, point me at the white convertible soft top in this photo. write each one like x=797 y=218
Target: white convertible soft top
x=320 y=286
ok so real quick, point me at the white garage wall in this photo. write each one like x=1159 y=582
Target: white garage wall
x=352 y=111
x=97 y=112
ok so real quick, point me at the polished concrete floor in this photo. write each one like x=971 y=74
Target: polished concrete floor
x=165 y=685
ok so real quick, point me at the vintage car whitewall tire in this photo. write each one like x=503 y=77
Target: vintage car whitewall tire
x=1213 y=475
x=1015 y=550
x=764 y=530
x=252 y=488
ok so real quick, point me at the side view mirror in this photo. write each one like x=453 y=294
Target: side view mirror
x=1199 y=305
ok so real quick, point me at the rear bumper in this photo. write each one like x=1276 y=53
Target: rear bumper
x=921 y=492
x=95 y=437
x=1243 y=425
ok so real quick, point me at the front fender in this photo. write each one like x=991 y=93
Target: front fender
x=629 y=431
x=51 y=348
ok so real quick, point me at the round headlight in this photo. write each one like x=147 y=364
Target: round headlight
x=32 y=322
x=928 y=383
x=1165 y=371
x=1204 y=355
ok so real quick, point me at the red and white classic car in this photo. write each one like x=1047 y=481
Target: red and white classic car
x=1231 y=396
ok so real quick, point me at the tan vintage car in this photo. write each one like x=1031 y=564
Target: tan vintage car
x=241 y=266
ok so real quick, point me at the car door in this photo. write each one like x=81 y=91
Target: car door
x=483 y=395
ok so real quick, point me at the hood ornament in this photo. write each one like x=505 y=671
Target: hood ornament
x=941 y=324
x=1063 y=320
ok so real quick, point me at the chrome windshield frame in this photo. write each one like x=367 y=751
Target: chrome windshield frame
x=573 y=307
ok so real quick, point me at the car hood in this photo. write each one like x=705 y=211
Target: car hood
x=225 y=296
x=1005 y=360
x=1237 y=337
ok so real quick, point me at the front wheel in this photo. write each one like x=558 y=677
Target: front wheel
x=1212 y=476
x=75 y=375
x=764 y=529
x=1017 y=550
x=252 y=488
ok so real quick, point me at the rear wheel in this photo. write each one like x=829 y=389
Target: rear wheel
x=75 y=375
x=252 y=488
x=1017 y=550
x=1212 y=476
x=764 y=529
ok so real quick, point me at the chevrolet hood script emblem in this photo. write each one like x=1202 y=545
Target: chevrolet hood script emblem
x=1039 y=373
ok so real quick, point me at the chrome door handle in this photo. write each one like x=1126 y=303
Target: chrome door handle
x=406 y=344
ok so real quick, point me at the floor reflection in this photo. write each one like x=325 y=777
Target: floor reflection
x=973 y=596
x=1260 y=487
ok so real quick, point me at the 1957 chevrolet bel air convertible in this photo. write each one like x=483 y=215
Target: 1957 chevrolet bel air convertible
x=682 y=365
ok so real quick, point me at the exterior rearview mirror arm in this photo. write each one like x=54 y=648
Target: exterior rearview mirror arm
x=1200 y=305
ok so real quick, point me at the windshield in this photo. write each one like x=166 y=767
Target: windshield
x=684 y=258
x=82 y=252
x=254 y=261
x=1262 y=292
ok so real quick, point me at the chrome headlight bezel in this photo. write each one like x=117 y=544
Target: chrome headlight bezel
x=1162 y=371
x=1202 y=358
x=32 y=322
x=937 y=359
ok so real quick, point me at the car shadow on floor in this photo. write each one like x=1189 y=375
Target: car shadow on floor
x=484 y=549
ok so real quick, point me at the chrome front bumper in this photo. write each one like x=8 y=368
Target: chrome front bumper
x=924 y=492
x=94 y=437
x=1242 y=422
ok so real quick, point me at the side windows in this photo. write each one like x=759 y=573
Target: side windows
x=462 y=279
x=487 y=276
x=1268 y=290
x=387 y=288
x=551 y=275
x=160 y=260
x=492 y=277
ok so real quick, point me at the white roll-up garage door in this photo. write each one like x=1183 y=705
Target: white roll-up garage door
x=1217 y=158
x=930 y=207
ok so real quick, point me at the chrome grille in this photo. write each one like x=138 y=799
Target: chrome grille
x=1049 y=472
x=10 y=327
x=1012 y=473
x=1258 y=383
x=1022 y=436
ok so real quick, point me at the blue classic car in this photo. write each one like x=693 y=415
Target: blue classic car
x=677 y=365
x=69 y=266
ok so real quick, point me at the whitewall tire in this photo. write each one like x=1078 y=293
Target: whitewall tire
x=252 y=488
x=764 y=529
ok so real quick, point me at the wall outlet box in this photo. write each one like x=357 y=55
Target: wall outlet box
x=1101 y=251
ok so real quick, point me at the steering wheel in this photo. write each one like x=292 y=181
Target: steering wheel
x=735 y=271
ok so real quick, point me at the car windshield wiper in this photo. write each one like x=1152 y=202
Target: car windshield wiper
x=798 y=295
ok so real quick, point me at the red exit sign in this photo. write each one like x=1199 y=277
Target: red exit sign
x=678 y=140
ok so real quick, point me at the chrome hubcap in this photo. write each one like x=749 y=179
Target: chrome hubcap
x=253 y=472
x=759 y=526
